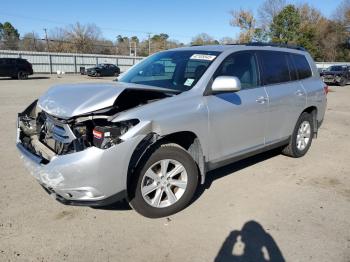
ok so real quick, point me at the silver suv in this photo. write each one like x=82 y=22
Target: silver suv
x=152 y=136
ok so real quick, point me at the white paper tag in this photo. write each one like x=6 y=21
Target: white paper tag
x=203 y=57
x=188 y=81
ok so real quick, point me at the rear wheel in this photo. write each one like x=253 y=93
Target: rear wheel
x=166 y=183
x=22 y=75
x=301 y=138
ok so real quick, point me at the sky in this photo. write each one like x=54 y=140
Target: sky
x=180 y=19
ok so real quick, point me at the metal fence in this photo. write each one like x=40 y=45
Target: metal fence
x=48 y=62
x=324 y=65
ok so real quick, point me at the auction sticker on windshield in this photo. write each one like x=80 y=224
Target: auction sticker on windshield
x=203 y=57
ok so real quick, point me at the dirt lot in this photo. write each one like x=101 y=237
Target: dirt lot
x=298 y=209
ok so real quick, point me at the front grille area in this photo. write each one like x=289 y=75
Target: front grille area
x=58 y=130
x=56 y=134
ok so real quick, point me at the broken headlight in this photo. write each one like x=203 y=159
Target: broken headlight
x=107 y=136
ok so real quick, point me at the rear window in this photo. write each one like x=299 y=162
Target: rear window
x=302 y=66
x=274 y=67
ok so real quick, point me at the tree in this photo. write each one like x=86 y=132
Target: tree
x=309 y=29
x=83 y=37
x=204 y=39
x=285 y=26
x=245 y=20
x=9 y=36
x=31 y=42
x=267 y=12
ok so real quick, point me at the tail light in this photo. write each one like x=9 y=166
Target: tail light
x=326 y=89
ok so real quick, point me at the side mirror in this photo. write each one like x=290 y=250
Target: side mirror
x=226 y=84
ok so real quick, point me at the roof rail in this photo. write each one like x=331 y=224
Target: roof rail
x=276 y=45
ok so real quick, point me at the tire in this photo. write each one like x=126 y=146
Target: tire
x=343 y=81
x=295 y=148
x=97 y=74
x=163 y=205
x=22 y=75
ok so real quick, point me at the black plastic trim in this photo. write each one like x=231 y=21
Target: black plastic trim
x=98 y=203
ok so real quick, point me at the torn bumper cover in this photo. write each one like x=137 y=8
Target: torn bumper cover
x=92 y=177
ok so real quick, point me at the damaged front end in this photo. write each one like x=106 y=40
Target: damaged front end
x=47 y=136
x=83 y=159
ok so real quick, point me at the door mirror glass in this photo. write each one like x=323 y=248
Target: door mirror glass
x=226 y=84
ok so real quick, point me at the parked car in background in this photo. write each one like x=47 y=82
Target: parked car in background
x=152 y=136
x=16 y=68
x=103 y=70
x=336 y=74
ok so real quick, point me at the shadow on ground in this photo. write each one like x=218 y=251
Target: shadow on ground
x=252 y=243
x=211 y=176
x=221 y=172
x=122 y=205
x=29 y=78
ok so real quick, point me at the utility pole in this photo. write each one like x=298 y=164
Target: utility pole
x=116 y=45
x=34 y=41
x=135 y=50
x=47 y=40
x=149 y=43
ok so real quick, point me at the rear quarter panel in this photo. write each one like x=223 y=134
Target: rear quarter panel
x=314 y=88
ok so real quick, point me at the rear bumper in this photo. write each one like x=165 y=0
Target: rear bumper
x=92 y=177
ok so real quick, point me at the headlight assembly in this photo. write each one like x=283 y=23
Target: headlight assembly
x=107 y=136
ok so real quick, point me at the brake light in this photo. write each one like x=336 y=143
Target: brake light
x=326 y=89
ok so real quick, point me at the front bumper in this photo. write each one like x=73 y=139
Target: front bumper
x=91 y=177
x=331 y=79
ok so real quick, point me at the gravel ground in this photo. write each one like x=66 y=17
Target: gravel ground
x=281 y=208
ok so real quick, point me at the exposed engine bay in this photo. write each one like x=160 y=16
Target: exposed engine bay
x=46 y=135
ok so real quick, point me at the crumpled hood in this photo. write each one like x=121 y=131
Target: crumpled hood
x=66 y=101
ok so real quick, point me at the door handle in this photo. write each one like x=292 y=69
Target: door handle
x=261 y=100
x=299 y=92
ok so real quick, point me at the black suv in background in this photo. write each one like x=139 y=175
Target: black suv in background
x=103 y=70
x=336 y=74
x=16 y=68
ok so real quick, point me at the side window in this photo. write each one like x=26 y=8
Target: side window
x=274 y=67
x=292 y=69
x=241 y=65
x=302 y=66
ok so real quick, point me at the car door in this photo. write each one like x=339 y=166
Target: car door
x=2 y=67
x=237 y=119
x=7 y=67
x=285 y=93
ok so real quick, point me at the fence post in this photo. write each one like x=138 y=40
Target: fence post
x=50 y=63
x=75 y=64
x=96 y=60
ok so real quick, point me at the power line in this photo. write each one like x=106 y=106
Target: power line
x=104 y=28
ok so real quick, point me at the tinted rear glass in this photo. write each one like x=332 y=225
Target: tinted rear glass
x=301 y=65
x=274 y=67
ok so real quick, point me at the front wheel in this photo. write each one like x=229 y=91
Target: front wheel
x=166 y=183
x=301 y=138
x=343 y=81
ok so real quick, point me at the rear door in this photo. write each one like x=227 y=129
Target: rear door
x=237 y=119
x=285 y=94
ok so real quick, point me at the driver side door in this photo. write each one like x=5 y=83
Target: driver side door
x=237 y=120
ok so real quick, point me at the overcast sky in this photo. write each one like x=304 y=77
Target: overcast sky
x=181 y=19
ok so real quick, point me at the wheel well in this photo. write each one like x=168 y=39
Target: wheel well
x=186 y=139
x=313 y=111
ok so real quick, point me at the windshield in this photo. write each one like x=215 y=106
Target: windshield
x=177 y=70
x=337 y=68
